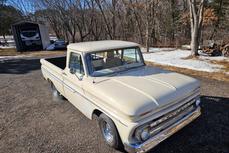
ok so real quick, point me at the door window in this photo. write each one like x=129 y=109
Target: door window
x=75 y=63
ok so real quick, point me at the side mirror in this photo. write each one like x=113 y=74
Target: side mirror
x=79 y=76
x=72 y=70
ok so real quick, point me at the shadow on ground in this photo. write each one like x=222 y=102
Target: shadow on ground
x=208 y=134
x=19 y=66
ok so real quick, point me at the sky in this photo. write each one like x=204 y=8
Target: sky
x=26 y=6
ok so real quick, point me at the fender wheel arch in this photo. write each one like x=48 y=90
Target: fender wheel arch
x=117 y=142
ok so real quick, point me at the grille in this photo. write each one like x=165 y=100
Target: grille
x=170 y=118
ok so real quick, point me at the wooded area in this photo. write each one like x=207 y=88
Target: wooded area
x=148 y=22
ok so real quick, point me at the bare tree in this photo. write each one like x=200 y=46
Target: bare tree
x=105 y=18
x=135 y=7
x=196 y=19
x=219 y=12
x=148 y=22
x=95 y=26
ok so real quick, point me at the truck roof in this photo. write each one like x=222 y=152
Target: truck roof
x=92 y=46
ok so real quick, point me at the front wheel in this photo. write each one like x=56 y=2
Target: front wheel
x=109 y=132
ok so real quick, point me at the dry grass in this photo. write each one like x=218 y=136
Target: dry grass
x=223 y=63
x=13 y=52
x=222 y=76
x=212 y=75
x=190 y=57
x=9 y=52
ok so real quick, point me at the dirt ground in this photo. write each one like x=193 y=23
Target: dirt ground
x=31 y=122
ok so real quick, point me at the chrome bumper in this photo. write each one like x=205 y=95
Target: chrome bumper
x=152 y=142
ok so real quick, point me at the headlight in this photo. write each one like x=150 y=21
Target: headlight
x=142 y=134
x=145 y=134
x=198 y=101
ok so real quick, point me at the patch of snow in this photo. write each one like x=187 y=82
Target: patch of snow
x=216 y=58
x=7 y=47
x=176 y=58
x=10 y=41
x=54 y=38
x=160 y=49
x=5 y=58
x=50 y=47
x=153 y=49
x=7 y=37
x=186 y=46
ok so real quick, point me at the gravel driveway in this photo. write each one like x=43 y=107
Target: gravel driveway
x=30 y=121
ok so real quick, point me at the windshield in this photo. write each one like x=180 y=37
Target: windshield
x=29 y=33
x=108 y=62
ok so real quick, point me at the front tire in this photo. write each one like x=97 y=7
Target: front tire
x=109 y=132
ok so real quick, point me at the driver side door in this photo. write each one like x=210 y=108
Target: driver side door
x=73 y=80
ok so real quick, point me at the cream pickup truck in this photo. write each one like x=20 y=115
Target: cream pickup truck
x=136 y=106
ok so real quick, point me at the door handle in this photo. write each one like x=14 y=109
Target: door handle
x=64 y=73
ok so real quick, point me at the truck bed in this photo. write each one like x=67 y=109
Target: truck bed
x=58 y=61
x=52 y=70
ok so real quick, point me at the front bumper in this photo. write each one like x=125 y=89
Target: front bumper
x=155 y=140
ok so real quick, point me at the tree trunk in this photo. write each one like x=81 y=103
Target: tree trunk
x=4 y=37
x=173 y=6
x=147 y=37
x=194 y=42
x=138 y=22
x=108 y=30
x=196 y=19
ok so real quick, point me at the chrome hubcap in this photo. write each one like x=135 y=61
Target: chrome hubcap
x=107 y=132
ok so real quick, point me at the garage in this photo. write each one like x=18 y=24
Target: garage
x=30 y=36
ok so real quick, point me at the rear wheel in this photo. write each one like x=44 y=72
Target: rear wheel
x=109 y=132
x=56 y=94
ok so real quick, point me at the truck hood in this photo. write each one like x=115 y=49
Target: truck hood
x=143 y=89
